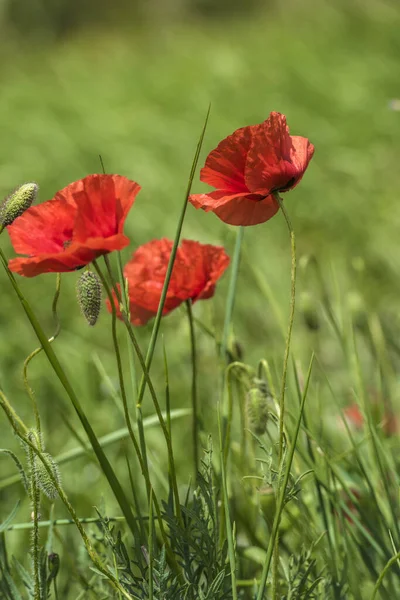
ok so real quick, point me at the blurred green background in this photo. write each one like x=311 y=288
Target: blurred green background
x=132 y=82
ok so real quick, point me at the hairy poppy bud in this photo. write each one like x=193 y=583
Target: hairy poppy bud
x=44 y=481
x=17 y=203
x=53 y=561
x=257 y=407
x=88 y=289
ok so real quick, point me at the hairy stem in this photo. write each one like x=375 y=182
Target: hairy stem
x=195 y=416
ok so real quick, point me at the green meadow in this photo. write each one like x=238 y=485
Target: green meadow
x=137 y=95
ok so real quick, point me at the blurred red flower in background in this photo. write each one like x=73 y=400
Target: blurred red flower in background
x=248 y=167
x=389 y=422
x=196 y=270
x=82 y=221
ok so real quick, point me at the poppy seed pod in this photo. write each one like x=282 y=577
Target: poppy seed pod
x=88 y=289
x=17 y=203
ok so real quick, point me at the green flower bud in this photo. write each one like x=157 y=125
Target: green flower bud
x=53 y=561
x=88 y=289
x=44 y=481
x=17 y=203
x=257 y=408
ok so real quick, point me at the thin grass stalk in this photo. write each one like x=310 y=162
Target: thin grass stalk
x=375 y=449
x=228 y=525
x=282 y=491
x=104 y=441
x=59 y=371
x=230 y=299
x=122 y=299
x=150 y=544
x=28 y=388
x=317 y=484
x=385 y=570
x=143 y=466
x=195 y=416
x=35 y=498
x=32 y=448
x=157 y=407
x=284 y=372
x=128 y=422
x=157 y=321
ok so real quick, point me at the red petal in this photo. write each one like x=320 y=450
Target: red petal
x=301 y=153
x=103 y=205
x=240 y=209
x=43 y=229
x=268 y=166
x=204 y=265
x=225 y=166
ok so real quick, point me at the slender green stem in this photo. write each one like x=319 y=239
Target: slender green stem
x=195 y=414
x=282 y=491
x=128 y=422
x=121 y=297
x=230 y=300
x=140 y=423
x=143 y=466
x=35 y=499
x=386 y=568
x=228 y=525
x=150 y=544
x=32 y=448
x=157 y=321
x=290 y=327
x=59 y=371
x=28 y=388
x=284 y=373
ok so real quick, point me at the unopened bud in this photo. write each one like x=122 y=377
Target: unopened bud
x=44 y=480
x=17 y=203
x=53 y=561
x=88 y=289
x=257 y=408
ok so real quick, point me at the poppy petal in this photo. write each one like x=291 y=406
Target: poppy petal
x=225 y=166
x=43 y=229
x=102 y=205
x=237 y=209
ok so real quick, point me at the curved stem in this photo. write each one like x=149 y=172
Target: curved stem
x=386 y=568
x=140 y=424
x=28 y=388
x=195 y=421
x=143 y=465
x=157 y=321
x=34 y=450
x=282 y=491
x=59 y=371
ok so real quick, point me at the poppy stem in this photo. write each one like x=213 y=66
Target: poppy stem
x=59 y=371
x=195 y=421
x=32 y=355
x=167 y=436
x=275 y=590
x=230 y=300
x=157 y=321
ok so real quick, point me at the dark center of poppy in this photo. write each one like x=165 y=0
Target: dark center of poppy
x=66 y=244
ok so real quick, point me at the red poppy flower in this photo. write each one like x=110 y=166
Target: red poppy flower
x=83 y=221
x=248 y=167
x=197 y=268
